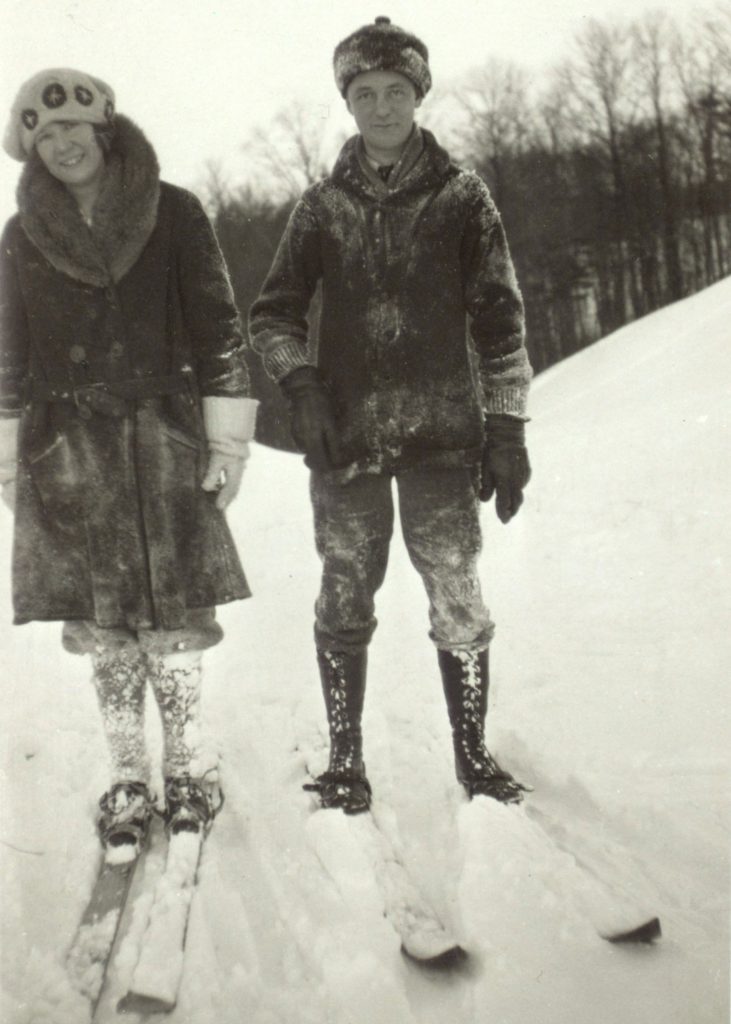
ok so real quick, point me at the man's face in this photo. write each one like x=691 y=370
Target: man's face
x=383 y=104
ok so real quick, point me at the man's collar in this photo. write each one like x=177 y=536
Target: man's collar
x=411 y=152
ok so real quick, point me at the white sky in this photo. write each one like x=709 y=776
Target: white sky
x=196 y=76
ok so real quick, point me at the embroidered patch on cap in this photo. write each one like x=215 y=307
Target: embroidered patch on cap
x=54 y=96
x=29 y=118
x=83 y=95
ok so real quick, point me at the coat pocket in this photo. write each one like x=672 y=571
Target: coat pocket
x=54 y=472
x=175 y=433
x=183 y=459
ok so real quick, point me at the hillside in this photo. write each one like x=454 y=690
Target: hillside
x=610 y=671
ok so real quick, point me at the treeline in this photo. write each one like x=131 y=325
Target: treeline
x=615 y=181
x=613 y=177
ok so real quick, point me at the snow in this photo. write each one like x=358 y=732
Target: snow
x=83 y=965
x=125 y=853
x=609 y=699
x=160 y=957
x=367 y=870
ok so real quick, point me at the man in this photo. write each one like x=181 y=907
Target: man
x=407 y=248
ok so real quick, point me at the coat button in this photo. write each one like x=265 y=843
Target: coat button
x=84 y=411
x=77 y=353
x=116 y=350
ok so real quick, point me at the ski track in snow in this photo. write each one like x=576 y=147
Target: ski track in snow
x=608 y=697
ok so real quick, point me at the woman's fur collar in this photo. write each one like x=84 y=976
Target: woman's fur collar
x=124 y=213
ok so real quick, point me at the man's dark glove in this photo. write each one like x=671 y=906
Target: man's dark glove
x=505 y=469
x=312 y=420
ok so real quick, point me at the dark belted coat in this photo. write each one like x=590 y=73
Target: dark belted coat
x=109 y=337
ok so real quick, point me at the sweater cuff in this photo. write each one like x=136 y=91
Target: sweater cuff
x=229 y=423
x=508 y=402
x=283 y=358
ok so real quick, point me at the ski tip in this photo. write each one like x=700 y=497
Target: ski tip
x=647 y=933
x=450 y=959
x=133 y=1002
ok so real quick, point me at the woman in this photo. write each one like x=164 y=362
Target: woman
x=124 y=430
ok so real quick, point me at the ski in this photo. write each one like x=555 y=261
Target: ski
x=156 y=978
x=647 y=932
x=88 y=957
x=507 y=831
x=424 y=937
x=352 y=848
x=632 y=922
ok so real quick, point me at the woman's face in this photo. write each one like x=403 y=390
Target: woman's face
x=70 y=151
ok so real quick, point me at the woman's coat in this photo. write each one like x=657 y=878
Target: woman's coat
x=110 y=336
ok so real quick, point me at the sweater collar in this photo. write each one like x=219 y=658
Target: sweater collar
x=124 y=213
x=423 y=164
x=411 y=152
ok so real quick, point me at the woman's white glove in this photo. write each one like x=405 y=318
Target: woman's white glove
x=224 y=474
x=8 y=459
x=229 y=425
x=9 y=494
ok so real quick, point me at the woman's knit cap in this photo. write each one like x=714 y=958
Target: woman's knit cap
x=382 y=47
x=57 y=94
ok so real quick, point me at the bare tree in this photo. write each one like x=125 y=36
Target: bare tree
x=614 y=183
x=600 y=89
x=497 y=118
x=701 y=61
x=654 y=38
x=288 y=155
x=717 y=29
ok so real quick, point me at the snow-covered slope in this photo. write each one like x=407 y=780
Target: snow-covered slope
x=609 y=697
